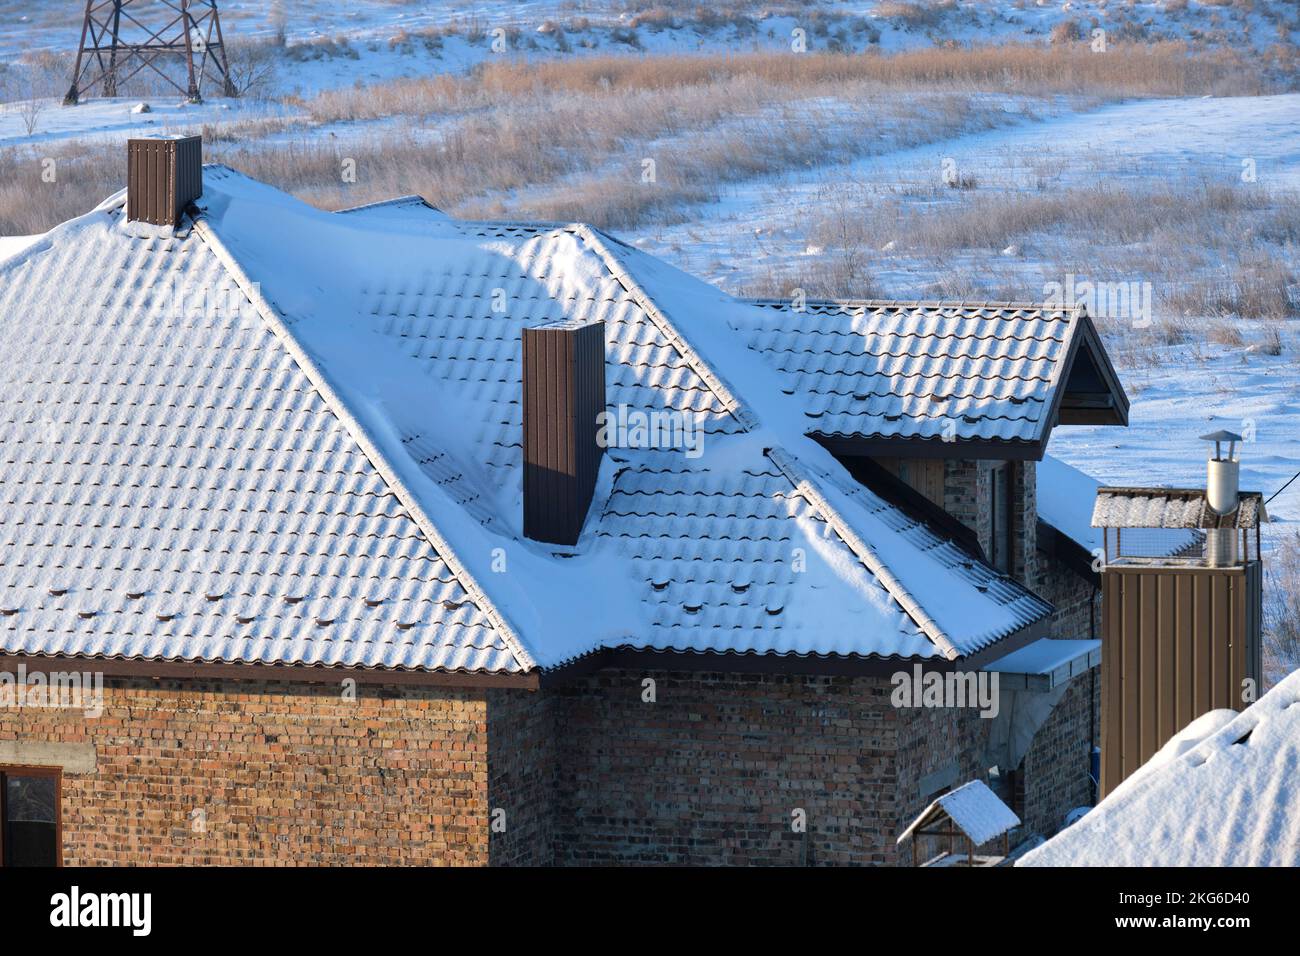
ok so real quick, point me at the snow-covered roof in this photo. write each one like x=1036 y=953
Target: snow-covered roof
x=950 y=372
x=1172 y=508
x=1047 y=662
x=1224 y=792
x=1065 y=497
x=974 y=809
x=284 y=435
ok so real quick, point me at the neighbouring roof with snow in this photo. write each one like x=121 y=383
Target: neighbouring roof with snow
x=1224 y=792
x=288 y=436
x=1172 y=508
x=880 y=373
x=1065 y=497
x=973 y=808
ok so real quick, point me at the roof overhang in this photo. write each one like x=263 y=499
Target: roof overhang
x=1088 y=389
x=1045 y=664
x=268 y=673
x=753 y=662
x=1058 y=545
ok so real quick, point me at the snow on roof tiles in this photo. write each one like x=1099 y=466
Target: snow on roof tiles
x=1231 y=799
x=1171 y=508
x=909 y=370
x=172 y=486
x=389 y=425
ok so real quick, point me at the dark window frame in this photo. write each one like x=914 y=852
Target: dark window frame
x=19 y=770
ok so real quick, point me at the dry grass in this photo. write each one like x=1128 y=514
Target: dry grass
x=1127 y=70
x=915 y=16
x=1282 y=608
x=1206 y=250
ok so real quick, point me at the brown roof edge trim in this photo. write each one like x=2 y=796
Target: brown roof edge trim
x=268 y=673
x=811 y=665
x=961 y=449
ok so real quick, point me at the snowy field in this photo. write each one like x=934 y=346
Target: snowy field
x=867 y=209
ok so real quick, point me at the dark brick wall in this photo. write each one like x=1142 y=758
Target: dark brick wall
x=931 y=741
x=521 y=777
x=1055 y=777
x=713 y=771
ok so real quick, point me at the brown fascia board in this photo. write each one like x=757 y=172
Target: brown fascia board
x=300 y=674
x=810 y=665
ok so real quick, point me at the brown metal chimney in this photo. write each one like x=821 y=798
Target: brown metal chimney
x=564 y=393
x=163 y=176
x=1182 y=606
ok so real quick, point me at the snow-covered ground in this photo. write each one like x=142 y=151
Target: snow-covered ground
x=50 y=26
x=333 y=45
x=752 y=229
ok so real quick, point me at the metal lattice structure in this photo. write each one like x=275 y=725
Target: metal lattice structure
x=120 y=38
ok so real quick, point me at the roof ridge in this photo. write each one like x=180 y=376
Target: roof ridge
x=793 y=469
x=383 y=203
x=770 y=302
x=359 y=434
x=730 y=400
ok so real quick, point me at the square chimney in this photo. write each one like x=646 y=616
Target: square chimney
x=163 y=176
x=564 y=393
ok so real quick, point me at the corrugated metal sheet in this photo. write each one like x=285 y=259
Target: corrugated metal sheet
x=1176 y=644
x=913 y=370
x=1171 y=508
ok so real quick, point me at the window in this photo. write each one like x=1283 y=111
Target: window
x=1000 y=515
x=29 y=816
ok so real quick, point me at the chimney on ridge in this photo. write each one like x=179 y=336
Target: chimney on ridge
x=163 y=176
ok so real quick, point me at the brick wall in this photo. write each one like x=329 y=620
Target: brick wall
x=521 y=777
x=968 y=493
x=966 y=496
x=942 y=748
x=1077 y=600
x=714 y=770
x=276 y=773
x=1024 y=519
x=1056 y=778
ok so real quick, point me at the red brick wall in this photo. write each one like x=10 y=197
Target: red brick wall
x=586 y=773
x=282 y=773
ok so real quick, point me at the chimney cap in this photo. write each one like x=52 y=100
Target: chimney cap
x=1219 y=437
x=1222 y=435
